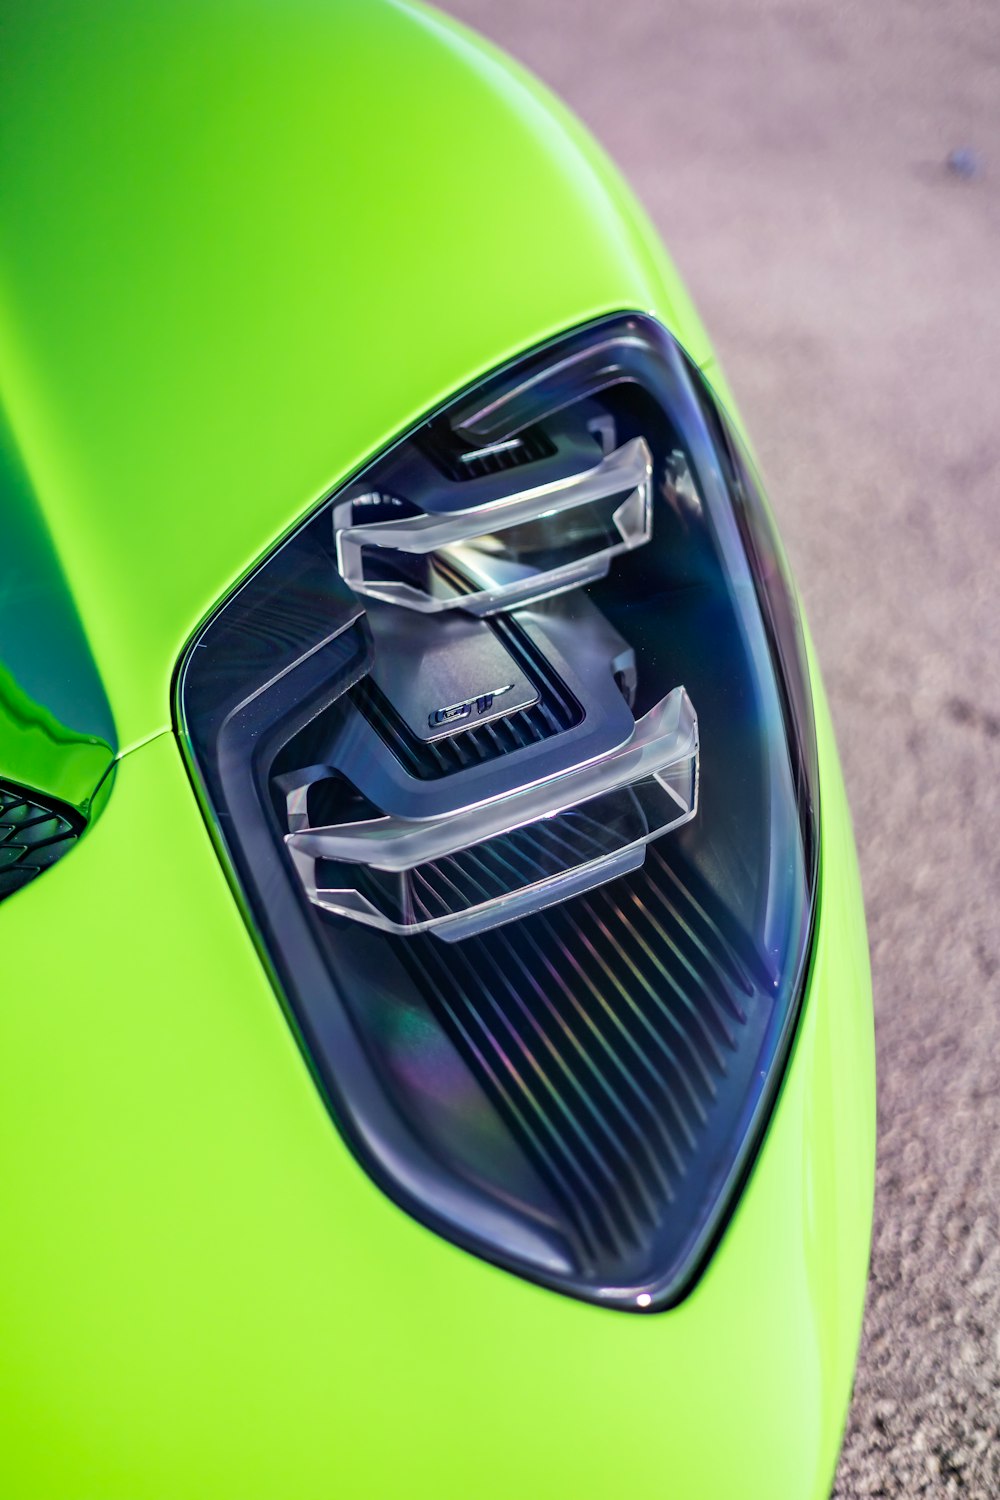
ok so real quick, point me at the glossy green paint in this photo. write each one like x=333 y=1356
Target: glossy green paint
x=247 y=244
x=202 y=1294
x=56 y=733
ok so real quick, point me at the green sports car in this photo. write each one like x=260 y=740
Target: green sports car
x=436 y=1025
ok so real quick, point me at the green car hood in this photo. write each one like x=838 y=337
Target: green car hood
x=245 y=246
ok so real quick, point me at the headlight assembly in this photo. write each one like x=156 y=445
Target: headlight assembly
x=509 y=749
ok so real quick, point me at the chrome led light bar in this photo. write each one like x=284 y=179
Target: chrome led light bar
x=480 y=866
x=521 y=547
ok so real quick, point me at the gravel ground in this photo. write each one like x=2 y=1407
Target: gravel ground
x=794 y=157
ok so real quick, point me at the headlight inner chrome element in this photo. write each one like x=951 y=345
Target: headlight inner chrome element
x=509 y=751
x=578 y=524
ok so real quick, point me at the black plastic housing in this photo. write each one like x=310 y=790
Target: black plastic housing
x=575 y=1095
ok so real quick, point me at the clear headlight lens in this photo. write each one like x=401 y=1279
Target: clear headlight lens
x=510 y=751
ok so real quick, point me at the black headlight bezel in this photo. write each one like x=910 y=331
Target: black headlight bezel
x=259 y=671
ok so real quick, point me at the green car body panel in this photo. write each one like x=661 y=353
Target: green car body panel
x=245 y=246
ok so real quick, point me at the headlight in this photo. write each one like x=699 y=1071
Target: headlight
x=510 y=750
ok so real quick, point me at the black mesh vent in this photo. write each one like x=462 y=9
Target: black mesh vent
x=530 y=446
x=555 y=711
x=33 y=835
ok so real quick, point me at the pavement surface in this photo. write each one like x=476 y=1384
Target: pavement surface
x=793 y=156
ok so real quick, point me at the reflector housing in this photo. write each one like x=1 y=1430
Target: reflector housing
x=485 y=865
x=503 y=552
x=510 y=751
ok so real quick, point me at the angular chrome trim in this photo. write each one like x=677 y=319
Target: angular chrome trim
x=659 y=764
x=627 y=471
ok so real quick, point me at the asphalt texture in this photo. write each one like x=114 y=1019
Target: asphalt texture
x=827 y=178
